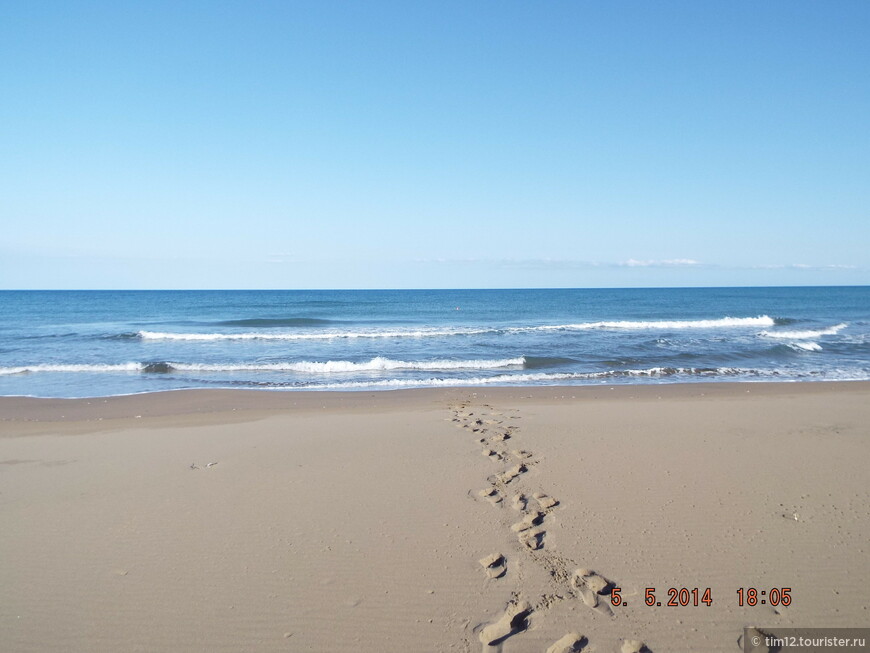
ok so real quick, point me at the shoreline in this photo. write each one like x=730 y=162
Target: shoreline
x=226 y=520
x=202 y=402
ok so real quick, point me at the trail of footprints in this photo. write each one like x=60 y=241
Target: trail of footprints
x=495 y=433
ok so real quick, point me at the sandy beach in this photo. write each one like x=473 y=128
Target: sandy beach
x=432 y=520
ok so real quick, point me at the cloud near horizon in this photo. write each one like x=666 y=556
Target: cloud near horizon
x=552 y=263
x=556 y=264
x=667 y=263
x=804 y=266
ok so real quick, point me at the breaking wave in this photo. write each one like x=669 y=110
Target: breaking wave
x=511 y=379
x=312 y=367
x=375 y=364
x=725 y=322
x=806 y=335
x=805 y=346
x=325 y=335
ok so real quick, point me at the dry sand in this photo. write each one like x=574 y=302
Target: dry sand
x=245 y=521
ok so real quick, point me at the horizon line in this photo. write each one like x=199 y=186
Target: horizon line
x=723 y=287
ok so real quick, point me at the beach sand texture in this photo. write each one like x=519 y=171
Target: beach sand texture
x=431 y=520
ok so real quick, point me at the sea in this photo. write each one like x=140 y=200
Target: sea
x=100 y=343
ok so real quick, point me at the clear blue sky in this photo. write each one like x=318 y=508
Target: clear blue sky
x=434 y=144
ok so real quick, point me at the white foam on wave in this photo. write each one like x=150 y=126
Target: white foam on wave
x=49 y=367
x=805 y=346
x=539 y=377
x=378 y=363
x=385 y=364
x=761 y=320
x=321 y=335
x=806 y=335
x=312 y=367
x=725 y=322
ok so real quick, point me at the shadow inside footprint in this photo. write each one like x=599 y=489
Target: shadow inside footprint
x=533 y=539
x=491 y=494
x=592 y=587
x=495 y=565
x=513 y=621
x=544 y=501
x=528 y=522
x=509 y=475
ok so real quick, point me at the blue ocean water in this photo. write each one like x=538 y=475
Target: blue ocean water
x=97 y=343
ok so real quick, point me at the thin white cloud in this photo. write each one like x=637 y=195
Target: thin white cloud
x=577 y=264
x=563 y=264
x=803 y=266
x=666 y=263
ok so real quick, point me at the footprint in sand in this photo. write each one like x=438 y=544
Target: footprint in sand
x=521 y=454
x=491 y=494
x=495 y=565
x=570 y=643
x=544 y=501
x=513 y=621
x=533 y=539
x=529 y=531
x=493 y=455
x=528 y=522
x=512 y=473
x=591 y=587
x=633 y=646
x=519 y=502
x=500 y=437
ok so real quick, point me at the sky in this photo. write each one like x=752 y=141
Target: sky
x=469 y=144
